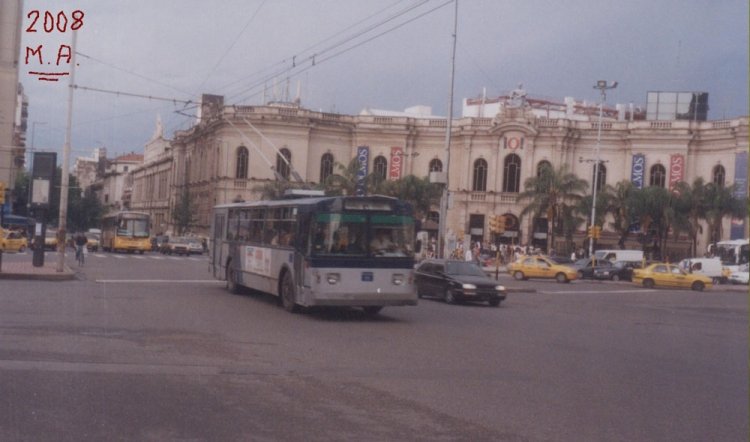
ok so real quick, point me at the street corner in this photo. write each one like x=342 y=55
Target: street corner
x=26 y=270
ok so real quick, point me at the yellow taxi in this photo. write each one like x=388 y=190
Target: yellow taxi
x=50 y=239
x=669 y=275
x=11 y=241
x=538 y=266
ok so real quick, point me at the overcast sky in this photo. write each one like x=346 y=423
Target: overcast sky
x=178 y=49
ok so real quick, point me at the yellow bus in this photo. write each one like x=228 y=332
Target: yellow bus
x=126 y=231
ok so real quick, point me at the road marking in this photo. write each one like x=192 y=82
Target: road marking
x=159 y=281
x=118 y=256
x=564 y=292
x=99 y=255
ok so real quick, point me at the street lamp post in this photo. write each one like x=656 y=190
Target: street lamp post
x=602 y=85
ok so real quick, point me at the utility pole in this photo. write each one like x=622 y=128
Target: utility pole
x=602 y=85
x=446 y=193
x=65 y=179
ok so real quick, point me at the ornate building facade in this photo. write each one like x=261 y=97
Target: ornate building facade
x=233 y=150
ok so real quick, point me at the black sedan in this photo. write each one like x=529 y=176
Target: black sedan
x=455 y=281
x=587 y=266
x=619 y=271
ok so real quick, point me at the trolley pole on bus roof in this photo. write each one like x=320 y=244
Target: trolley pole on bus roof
x=441 y=252
x=65 y=179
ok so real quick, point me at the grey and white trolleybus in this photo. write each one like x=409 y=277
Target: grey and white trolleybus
x=318 y=251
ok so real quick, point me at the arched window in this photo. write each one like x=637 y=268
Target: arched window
x=326 y=166
x=380 y=167
x=601 y=180
x=241 y=169
x=719 y=175
x=479 y=182
x=541 y=166
x=658 y=175
x=281 y=166
x=512 y=174
x=436 y=165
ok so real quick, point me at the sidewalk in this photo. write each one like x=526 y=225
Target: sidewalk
x=26 y=270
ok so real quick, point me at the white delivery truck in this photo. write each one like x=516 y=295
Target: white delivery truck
x=614 y=255
x=710 y=267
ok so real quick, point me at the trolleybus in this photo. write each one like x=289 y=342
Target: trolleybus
x=126 y=231
x=318 y=251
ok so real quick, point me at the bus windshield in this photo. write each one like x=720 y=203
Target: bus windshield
x=137 y=228
x=358 y=234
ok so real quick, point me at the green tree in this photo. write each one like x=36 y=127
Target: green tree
x=419 y=192
x=85 y=212
x=550 y=193
x=654 y=209
x=182 y=214
x=690 y=209
x=20 y=195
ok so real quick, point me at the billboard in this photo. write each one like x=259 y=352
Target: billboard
x=637 y=170
x=676 y=170
x=397 y=160
x=737 y=231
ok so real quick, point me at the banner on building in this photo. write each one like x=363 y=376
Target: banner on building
x=397 y=161
x=737 y=231
x=363 y=159
x=676 y=170
x=637 y=170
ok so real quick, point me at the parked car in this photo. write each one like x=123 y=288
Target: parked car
x=539 y=266
x=195 y=246
x=12 y=241
x=740 y=276
x=176 y=246
x=454 y=281
x=619 y=271
x=669 y=275
x=585 y=267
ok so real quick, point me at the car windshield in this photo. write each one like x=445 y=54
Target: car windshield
x=358 y=234
x=465 y=268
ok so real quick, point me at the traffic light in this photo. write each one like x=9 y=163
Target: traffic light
x=594 y=232
x=2 y=193
x=493 y=224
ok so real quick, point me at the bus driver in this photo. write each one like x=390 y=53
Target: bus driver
x=382 y=242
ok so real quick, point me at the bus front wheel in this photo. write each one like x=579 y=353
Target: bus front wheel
x=232 y=285
x=288 y=295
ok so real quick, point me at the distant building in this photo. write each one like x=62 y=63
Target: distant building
x=496 y=145
x=113 y=186
x=152 y=180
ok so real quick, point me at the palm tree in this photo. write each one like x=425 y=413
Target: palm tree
x=419 y=192
x=721 y=202
x=653 y=208
x=618 y=203
x=690 y=207
x=345 y=181
x=551 y=192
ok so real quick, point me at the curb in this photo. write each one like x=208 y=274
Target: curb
x=66 y=275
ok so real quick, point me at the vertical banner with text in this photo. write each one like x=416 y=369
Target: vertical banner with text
x=363 y=158
x=397 y=160
x=737 y=230
x=676 y=170
x=637 y=170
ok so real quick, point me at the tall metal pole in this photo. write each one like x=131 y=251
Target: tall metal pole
x=65 y=179
x=602 y=86
x=444 y=198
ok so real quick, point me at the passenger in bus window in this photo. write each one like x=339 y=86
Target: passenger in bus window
x=382 y=242
x=320 y=243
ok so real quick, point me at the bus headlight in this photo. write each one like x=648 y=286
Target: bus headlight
x=398 y=279
x=500 y=288
x=333 y=278
x=469 y=286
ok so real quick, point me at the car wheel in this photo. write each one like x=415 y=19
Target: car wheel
x=615 y=277
x=232 y=285
x=698 y=286
x=372 y=310
x=494 y=302
x=448 y=297
x=560 y=277
x=288 y=295
x=518 y=275
x=648 y=283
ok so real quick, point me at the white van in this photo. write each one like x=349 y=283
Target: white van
x=619 y=255
x=710 y=267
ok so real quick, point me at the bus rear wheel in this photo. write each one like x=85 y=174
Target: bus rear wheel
x=372 y=310
x=288 y=295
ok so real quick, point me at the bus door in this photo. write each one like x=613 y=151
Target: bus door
x=217 y=246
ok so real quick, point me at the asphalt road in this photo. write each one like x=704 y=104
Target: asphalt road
x=151 y=348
